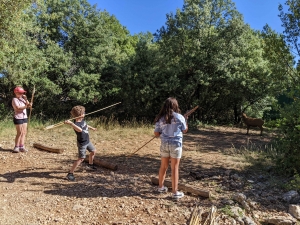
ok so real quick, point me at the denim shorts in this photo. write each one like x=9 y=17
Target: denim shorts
x=171 y=149
x=20 y=121
x=82 y=149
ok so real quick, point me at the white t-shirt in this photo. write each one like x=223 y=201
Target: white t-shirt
x=19 y=113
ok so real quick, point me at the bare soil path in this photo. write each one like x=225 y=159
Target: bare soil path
x=34 y=189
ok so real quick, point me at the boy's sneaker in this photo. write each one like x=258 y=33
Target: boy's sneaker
x=178 y=195
x=70 y=177
x=163 y=189
x=16 y=150
x=23 y=150
x=91 y=167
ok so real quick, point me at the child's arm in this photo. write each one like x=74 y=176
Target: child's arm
x=75 y=127
x=93 y=128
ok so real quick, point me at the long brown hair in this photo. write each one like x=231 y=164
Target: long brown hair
x=166 y=111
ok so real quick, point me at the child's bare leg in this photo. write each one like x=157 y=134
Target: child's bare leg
x=91 y=157
x=76 y=164
x=23 y=133
x=175 y=174
x=18 y=135
x=162 y=171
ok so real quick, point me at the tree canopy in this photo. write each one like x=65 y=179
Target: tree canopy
x=204 y=55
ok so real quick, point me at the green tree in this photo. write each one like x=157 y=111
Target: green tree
x=21 y=62
x=85 y=49
x=216 y=59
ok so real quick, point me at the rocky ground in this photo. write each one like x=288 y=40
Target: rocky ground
x=34 y=189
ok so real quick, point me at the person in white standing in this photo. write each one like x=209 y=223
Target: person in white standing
x=20 y=103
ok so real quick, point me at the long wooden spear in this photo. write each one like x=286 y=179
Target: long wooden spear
x=62 y=123
x=185 y=116
x=31 y=101
x=141 y=146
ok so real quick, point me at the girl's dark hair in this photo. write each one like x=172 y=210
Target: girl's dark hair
x=166 y=111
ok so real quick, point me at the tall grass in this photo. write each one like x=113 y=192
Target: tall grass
x=112 y=123
x=258 y=157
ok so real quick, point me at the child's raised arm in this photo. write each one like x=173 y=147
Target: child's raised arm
x=75 y=127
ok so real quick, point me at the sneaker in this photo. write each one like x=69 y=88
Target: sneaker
x=23 y=150
x=16 y=150
x=91 y=167
x=70 y=177
x=178 y=195
x=163 y=189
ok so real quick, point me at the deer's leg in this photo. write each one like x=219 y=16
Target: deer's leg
x=261 y=130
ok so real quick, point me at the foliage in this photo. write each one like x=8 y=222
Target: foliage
x=216 y=60
x=205 y=55
x=287 y=144
x=20 y=60
x=294 y=183
x=290 y=22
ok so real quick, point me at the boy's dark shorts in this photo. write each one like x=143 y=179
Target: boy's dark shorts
x=82 y=149
x=20 y=121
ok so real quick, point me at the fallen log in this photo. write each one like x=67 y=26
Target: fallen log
x=102 y=163
x=184 y=187
x=49 y=149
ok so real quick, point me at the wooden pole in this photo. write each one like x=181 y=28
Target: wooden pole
x=188 y=113
x=102 y=163
x=63 y=122
x=49 y=149
x=141 y=147
x=183 y=187
x=28 y=123
x=31 y=106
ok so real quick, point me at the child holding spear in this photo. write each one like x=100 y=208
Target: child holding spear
x=83 y=140
x=170 y=126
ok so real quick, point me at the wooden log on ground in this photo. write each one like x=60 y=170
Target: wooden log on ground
x=49 y=149
x=183 y=187
x=102 y=163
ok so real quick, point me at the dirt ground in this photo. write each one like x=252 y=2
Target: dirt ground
x=34 y=189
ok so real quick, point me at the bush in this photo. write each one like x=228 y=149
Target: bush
x=5 y=112
x=287 y=158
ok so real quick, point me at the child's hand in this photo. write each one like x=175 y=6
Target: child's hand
x=93 y=128
x=67 y=122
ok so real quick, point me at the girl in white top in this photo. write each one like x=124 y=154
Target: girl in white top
x=20 y=104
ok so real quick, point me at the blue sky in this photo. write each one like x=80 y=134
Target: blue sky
x=145 y=15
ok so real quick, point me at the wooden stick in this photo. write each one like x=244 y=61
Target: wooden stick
x=63 y=122
x=190 y=111
x=102 y=163
x=28 y=123
x=196 y=217
x=141 y=147
x=49 y=149
x=211 y=216
x=186 y=188
x=31 y=106
x=185 y=115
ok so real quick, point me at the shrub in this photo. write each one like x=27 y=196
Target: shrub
x=288 y=142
